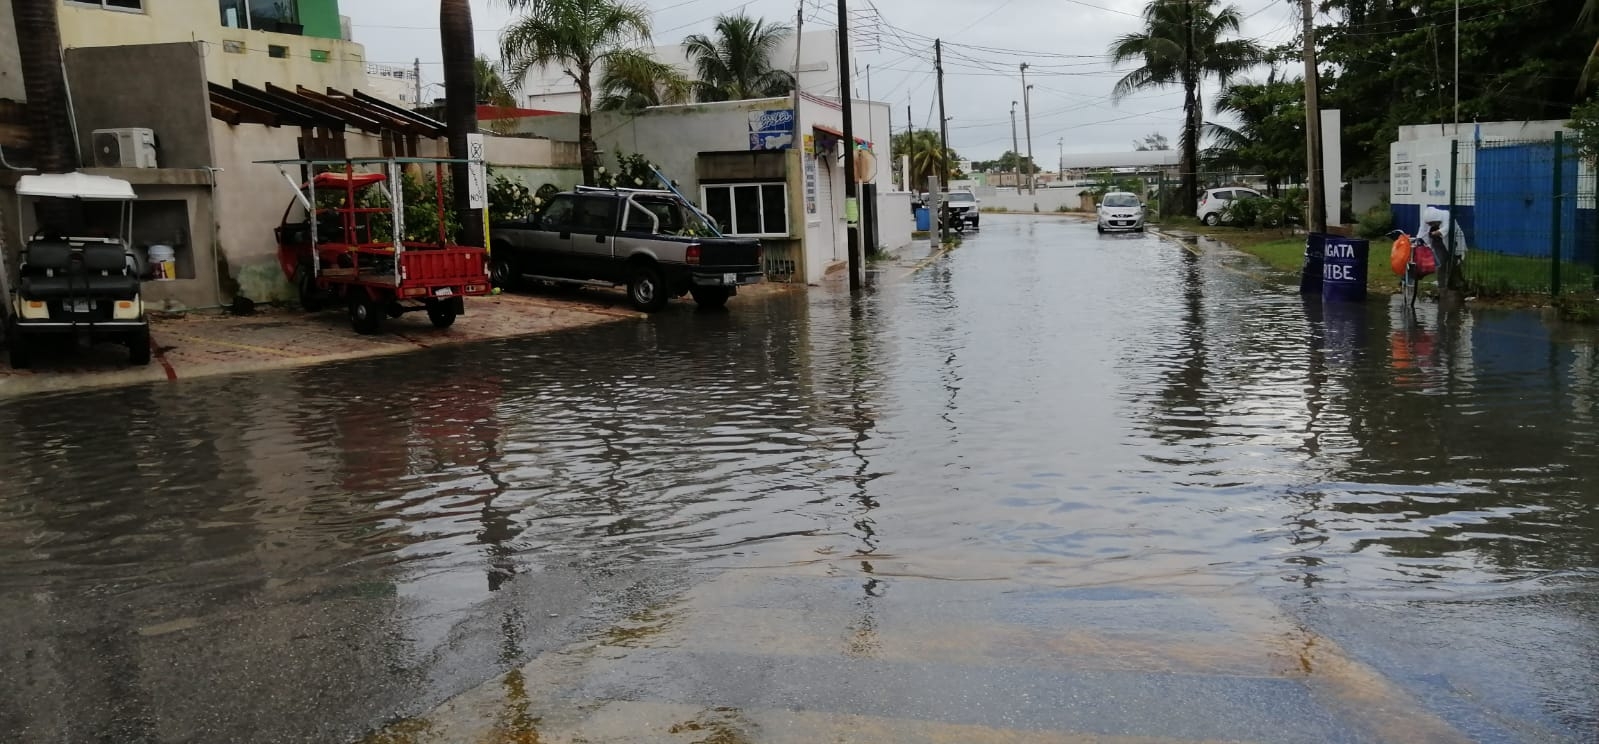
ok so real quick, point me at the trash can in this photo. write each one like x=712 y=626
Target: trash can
x=924 y=219
x=1310 y=275
x=1344 y=263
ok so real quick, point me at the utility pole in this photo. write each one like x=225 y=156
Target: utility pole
x=871 y=134
x=1015 y=149
x=851 y=189
x=416 y=78
x=1315 y=180
x=943 y=136
x=1457 y=69
x=1027 y=116
x=1060 y=165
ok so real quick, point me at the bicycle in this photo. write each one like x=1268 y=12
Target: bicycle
x=1412 y=259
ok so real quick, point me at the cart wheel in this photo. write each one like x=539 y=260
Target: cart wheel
x=139 y=347
x=310 y=296
x=17 y=349
x=646 y=288
x=366 y=314
x=442 y=314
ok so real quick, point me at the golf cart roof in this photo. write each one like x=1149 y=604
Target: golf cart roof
x=75 y=186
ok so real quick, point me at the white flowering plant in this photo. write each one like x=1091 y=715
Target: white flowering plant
x=632 y=172
x=511 y=200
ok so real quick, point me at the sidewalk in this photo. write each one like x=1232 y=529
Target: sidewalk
x=206 y=343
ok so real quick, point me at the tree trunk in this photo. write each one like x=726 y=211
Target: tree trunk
x=585 y=125
x=45 y=86
x=460 y=106
x=1189 y=160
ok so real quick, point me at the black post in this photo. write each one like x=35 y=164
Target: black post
x=851 y=189
x=943 y=138
x=1554 y=220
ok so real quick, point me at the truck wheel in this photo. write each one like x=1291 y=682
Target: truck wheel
x=441 y=313
x=503 y=275
x=647 y=289
x=305 y=282
x=366 y=314
x=711 y=298
x=139 y=347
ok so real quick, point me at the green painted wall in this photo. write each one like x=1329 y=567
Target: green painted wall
x=320 y=18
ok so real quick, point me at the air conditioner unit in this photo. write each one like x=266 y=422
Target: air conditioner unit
x=124 y=148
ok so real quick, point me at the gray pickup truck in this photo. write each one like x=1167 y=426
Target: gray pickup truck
x=652 y=241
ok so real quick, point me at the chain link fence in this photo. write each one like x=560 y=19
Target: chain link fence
x=1528 y=213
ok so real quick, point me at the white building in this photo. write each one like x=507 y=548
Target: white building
x=396 y=84
x=553 y=90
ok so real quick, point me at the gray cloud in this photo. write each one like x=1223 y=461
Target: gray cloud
x=1064 y=41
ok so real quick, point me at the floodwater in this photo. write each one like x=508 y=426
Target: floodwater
x=1051 y=484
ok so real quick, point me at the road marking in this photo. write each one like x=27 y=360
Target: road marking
x=940 y=253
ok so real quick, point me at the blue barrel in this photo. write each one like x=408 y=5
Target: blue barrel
x=1343 y=269
x=1310 y=274
x=924 y=219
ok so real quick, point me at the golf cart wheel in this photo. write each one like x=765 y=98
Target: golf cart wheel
x=711 y=298
x=305 y=282
x=366 y=314
x=646 y=288
x=17 y=350
x=139 y=347
x=1213 y=219
x=442 y=313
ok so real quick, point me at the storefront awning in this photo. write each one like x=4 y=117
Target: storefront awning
x=840 y=135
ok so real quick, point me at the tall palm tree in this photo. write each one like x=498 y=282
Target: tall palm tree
x=737 y=64
x=635 y=80
x=927 y=157
x=460 y=104
x=577 y=36
x=1183 y=43
x=39 y=50
x=1269 y=137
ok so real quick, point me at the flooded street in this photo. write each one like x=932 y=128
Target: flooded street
x=1051 y=485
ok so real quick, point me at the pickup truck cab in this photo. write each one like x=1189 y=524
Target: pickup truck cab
x=655 y=243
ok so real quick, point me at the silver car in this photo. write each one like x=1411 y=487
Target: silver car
x=1120 y=210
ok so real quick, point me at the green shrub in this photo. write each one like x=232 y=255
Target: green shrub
x=1375 y=222
x=1242 y=212
x=510 y=200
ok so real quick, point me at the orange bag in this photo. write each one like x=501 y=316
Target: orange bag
x=1400 y=256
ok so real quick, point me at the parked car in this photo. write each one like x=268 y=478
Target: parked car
x=963 y=208
x=654 y=242
x=1213 y=203
x=1120 y=210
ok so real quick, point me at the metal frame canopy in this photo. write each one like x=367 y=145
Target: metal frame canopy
x=75 y=186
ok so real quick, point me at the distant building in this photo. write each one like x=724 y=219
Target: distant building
x=393 y=83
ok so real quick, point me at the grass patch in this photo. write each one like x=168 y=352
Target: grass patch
x=1286 y=252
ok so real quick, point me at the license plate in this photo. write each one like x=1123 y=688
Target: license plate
x=80 y=306
x=444 y=292
x=730 y=278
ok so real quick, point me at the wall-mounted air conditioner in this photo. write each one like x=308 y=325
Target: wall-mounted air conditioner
x=129 y=147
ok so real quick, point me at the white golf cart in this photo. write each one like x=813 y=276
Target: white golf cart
x=70 y=281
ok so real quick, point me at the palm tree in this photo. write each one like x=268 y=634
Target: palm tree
x=577 y=36
x=489 y=84
x=39 y=51
x=1270 y=135
x=737 y=64
x=927 y=158
x=1183 y=43
x=634 y=80
x=460 y=104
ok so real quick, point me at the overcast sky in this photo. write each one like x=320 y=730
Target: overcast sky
x=1064 y=41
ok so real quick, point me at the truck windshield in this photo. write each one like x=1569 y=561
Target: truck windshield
x=962 y=196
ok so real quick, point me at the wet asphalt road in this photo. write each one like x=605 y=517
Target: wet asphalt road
x=1051 y=487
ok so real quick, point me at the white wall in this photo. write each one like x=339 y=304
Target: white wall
x=1046 y=200
x=894 y=220
x=10 y=62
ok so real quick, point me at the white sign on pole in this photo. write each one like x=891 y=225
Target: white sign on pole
x=477 y=176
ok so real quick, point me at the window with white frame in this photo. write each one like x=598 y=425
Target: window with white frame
x=130 y=6
x=756 y=210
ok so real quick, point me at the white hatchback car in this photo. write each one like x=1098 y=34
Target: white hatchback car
x=1120 y=210
x=1213 y=203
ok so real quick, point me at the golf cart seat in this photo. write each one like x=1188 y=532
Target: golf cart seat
x=46 y=270
x=107 y=275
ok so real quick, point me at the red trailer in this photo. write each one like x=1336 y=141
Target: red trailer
x=344 y=238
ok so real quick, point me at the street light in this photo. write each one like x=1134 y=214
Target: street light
x=1027 y=115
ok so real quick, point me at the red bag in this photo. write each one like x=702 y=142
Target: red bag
x=1423 y=257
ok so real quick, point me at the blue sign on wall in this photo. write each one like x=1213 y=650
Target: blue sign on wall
x=772 y=129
